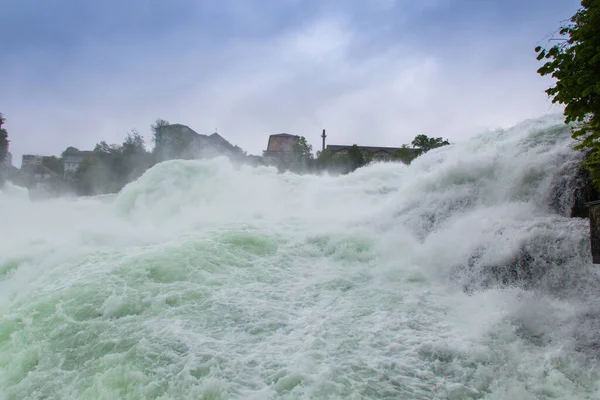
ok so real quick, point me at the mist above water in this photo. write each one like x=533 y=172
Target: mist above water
x=459 y=276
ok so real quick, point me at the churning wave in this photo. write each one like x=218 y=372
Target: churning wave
x=461 y=276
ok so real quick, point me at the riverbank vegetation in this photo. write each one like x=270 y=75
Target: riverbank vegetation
x=3 y=151
x=301 y=159
x=109 y=167
x=574 y=62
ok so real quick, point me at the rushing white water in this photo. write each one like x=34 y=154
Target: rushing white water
x=459 y=277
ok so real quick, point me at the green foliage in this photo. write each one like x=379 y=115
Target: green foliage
x=3 y=150
x=323 y=159
x=340 y=163
x=302 y=157
x=69 y=149
x=3 y=145
x=299 y=160
x=171 y=143
x=346 y=161
x=54 y=164
x=333 y=164
x=302 y=150
x=406 y=155
x=425 y=143
x=156 y=126
x=356 y=157
x=110 y=167
x=575 y=64
x=93 y=175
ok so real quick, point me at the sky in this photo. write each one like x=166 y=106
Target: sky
x=370 y=72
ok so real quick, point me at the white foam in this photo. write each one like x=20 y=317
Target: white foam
x=203 y=279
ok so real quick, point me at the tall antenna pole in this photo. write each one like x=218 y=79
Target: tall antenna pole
x=323 y=136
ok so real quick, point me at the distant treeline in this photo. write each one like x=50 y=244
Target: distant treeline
x=109 y=167
x=105 y=170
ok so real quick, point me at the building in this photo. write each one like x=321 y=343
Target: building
x=41 y=182
x=281 y=143
x=40 y=173
x=178 y=141
x=31 y=159
x=72 y=159
x=36 y=175
x=8 y=160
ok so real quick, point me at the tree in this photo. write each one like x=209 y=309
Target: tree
x=111 y=166
x=134 y=143
x=3 y=149
x=3 y=140
x=302 y=150
x=93 y=176
x=135 y=159
x=156 y=127
x=302 y=157
x=356 y=157
x=425 y=143
x=299 y=160
x=574 y=62
x=54 y=164
x=323 y=160
x=406 y=155
x=68 y=150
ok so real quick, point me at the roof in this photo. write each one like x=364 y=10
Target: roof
x=275 y=146
x=284 y=135
x=197 y=143
x=373 y=149
x=218 y=139
x=71 y=151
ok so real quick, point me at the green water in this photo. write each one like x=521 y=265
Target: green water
x=202 y=281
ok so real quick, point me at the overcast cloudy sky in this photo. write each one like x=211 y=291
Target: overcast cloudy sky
x=372 y=72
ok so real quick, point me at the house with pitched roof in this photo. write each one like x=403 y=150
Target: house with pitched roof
x=281 y=143
x=72 y=160
x=180 y=141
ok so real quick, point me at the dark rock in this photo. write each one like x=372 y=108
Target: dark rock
x=520 y=271
x=584 y=192
x=547 y=262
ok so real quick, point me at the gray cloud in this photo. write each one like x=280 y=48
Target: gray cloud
x=307 y=78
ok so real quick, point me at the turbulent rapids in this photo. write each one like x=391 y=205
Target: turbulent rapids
x=461 y=276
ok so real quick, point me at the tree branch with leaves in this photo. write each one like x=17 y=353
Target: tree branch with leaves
x=574 y=62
